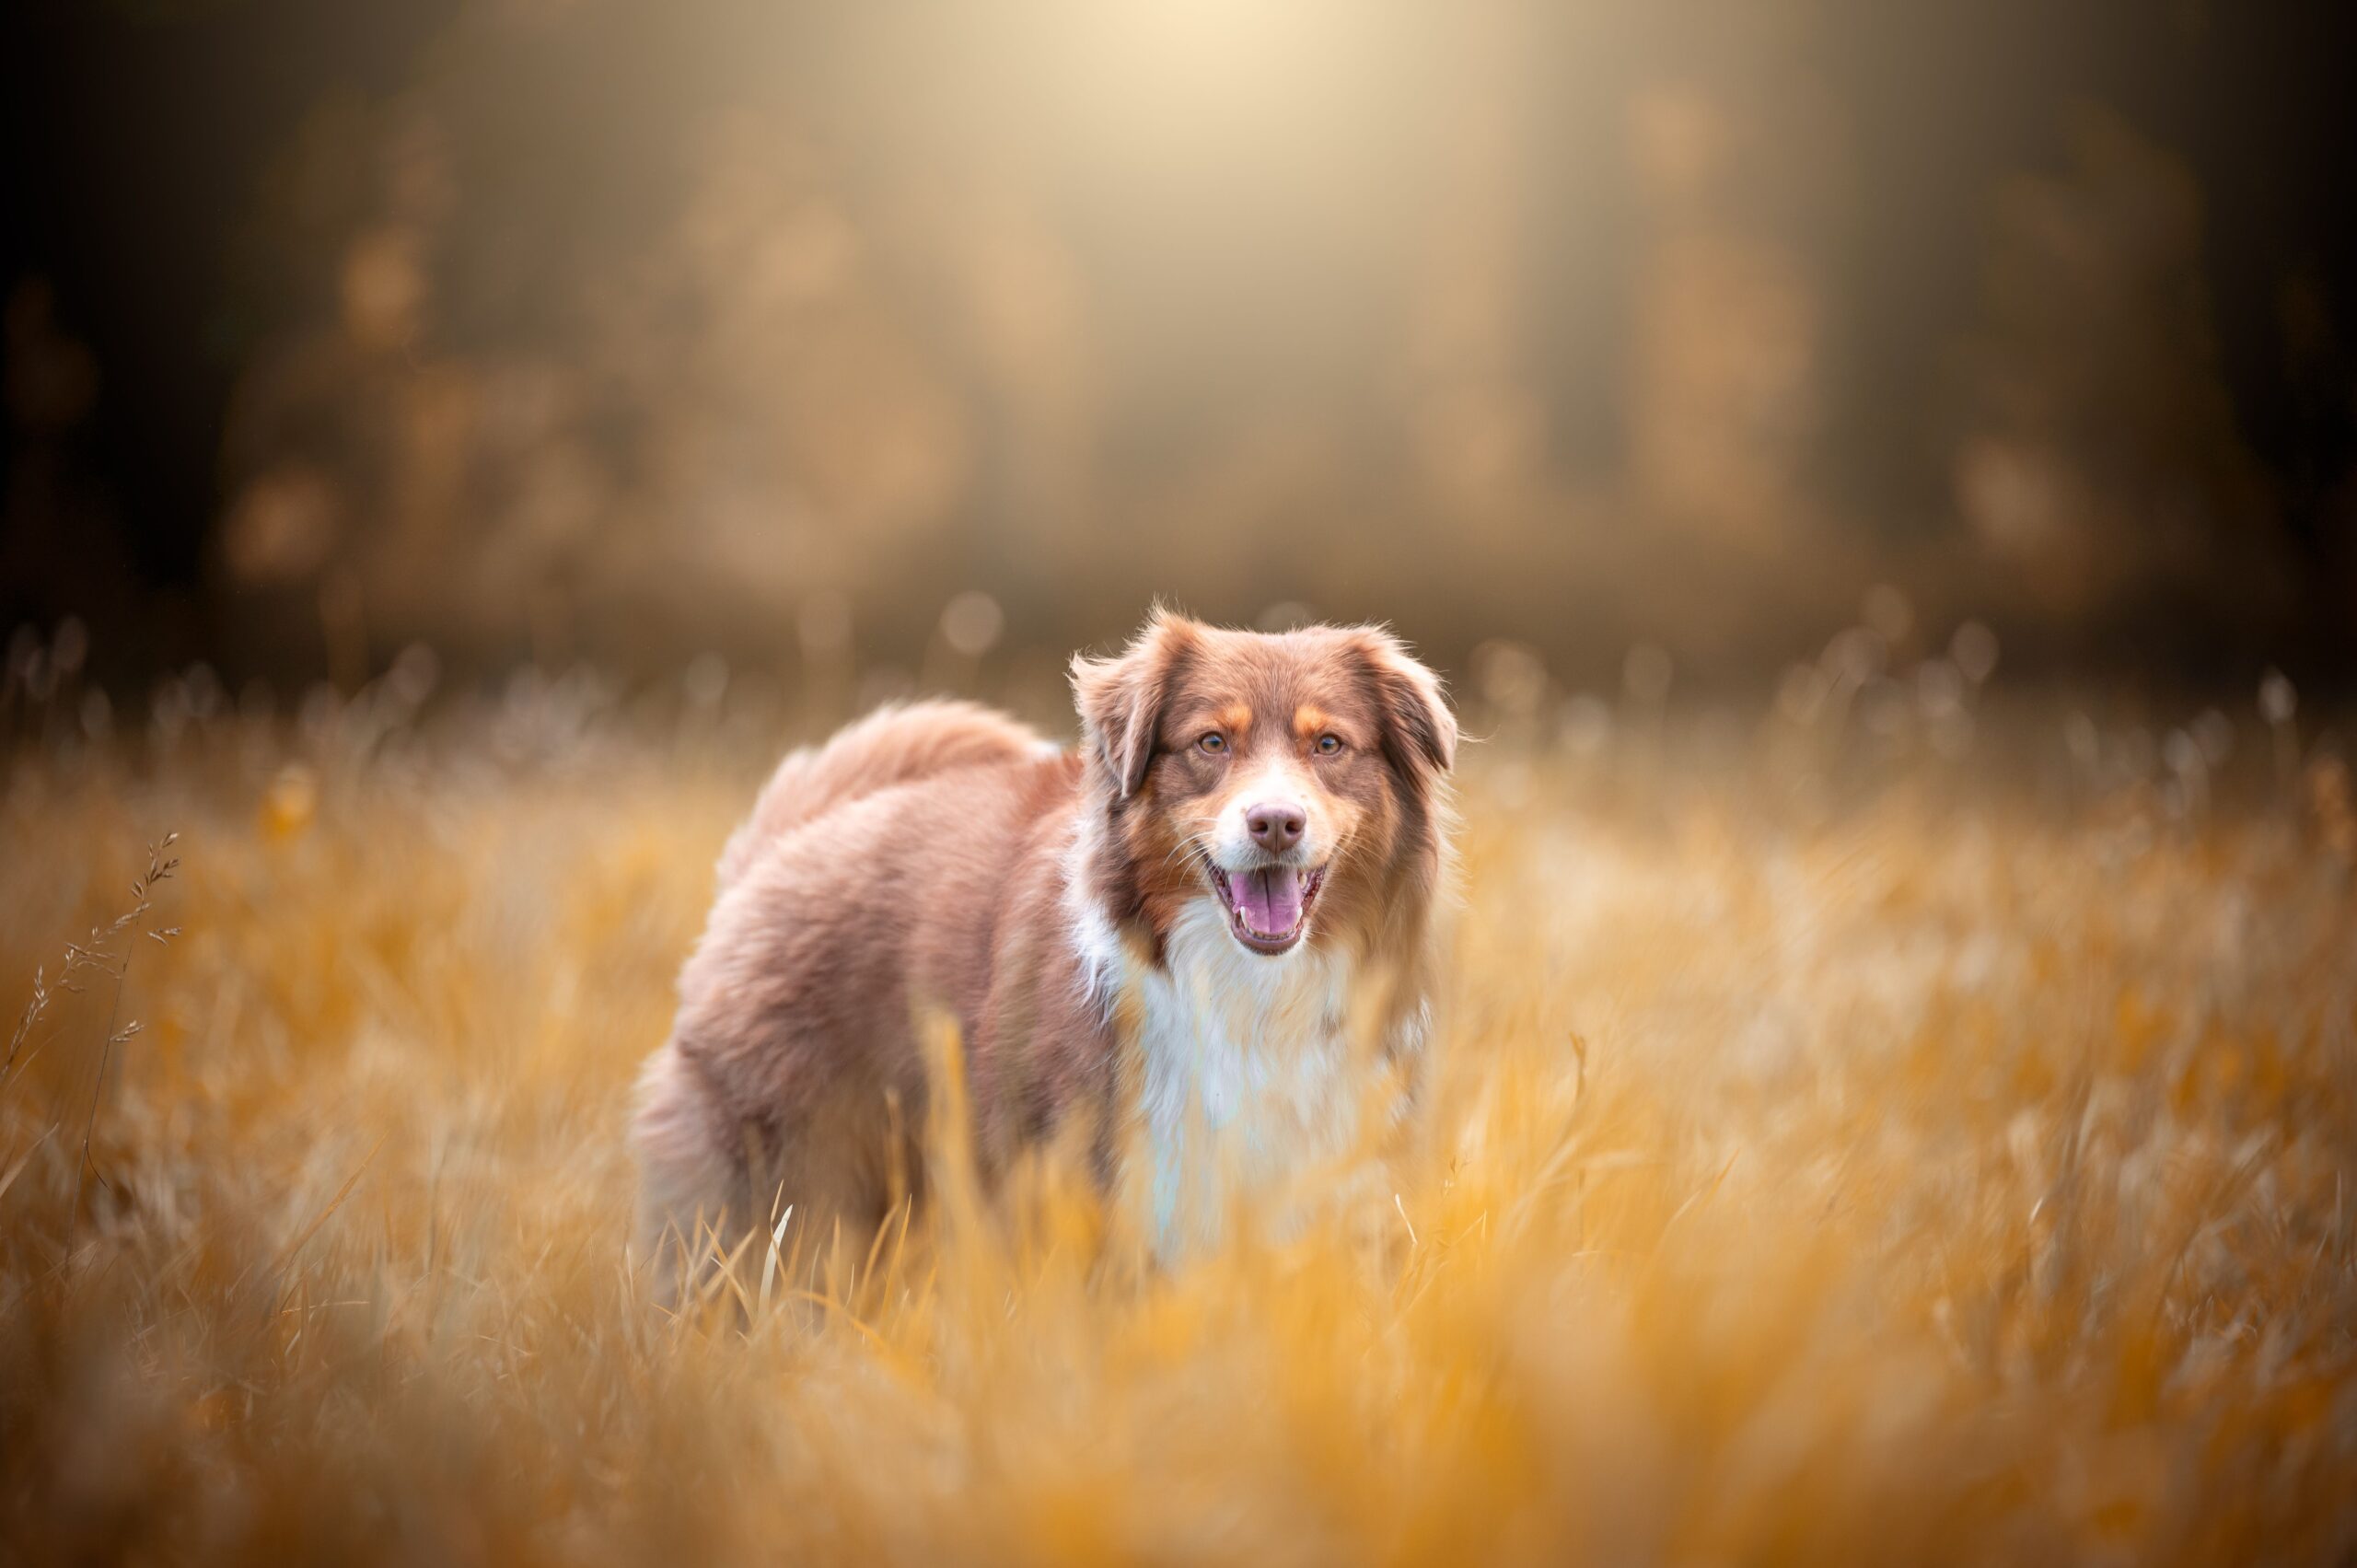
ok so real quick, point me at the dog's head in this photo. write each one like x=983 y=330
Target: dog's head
x=1295 y=777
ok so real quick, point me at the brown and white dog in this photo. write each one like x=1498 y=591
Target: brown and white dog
x=1202 y=938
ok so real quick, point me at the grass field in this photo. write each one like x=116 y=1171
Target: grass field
x=1845 y=1147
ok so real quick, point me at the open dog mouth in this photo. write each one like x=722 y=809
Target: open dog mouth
x=1268 y=906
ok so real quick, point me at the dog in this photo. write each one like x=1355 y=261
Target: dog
x=1200 y=943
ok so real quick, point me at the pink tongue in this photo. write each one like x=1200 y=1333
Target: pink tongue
x=1270 y=899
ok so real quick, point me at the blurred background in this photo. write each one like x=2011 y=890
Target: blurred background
x=790 y=334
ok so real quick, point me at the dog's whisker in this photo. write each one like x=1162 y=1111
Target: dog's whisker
x=1205 y=839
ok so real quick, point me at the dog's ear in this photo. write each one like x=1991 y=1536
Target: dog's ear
x=1121 y=699
x=1418 y=731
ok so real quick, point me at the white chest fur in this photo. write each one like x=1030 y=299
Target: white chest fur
x=1246 y=1075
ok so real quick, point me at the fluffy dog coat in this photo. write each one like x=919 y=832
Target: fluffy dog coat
x=1199 y=942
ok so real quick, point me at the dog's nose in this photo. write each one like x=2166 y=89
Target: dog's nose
x=1276 y=824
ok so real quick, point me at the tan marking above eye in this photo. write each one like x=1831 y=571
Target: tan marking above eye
x=1311 y=721
x=1235 y=718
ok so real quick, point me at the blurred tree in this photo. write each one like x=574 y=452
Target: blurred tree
x=600 y=326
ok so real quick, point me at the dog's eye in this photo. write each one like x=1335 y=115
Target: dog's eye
x=1213 y=743
x=1329 y=744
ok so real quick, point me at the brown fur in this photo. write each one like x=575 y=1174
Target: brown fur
x=925 y=859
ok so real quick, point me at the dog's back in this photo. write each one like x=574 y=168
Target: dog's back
x=765 y=1044
x=891 y=746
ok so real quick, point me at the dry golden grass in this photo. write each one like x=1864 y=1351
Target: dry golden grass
x=1833 y=1160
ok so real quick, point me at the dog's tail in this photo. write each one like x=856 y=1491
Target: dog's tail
x=897 y=744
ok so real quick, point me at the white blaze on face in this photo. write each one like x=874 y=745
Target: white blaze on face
x=1267 y=886
x=1233 y=845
